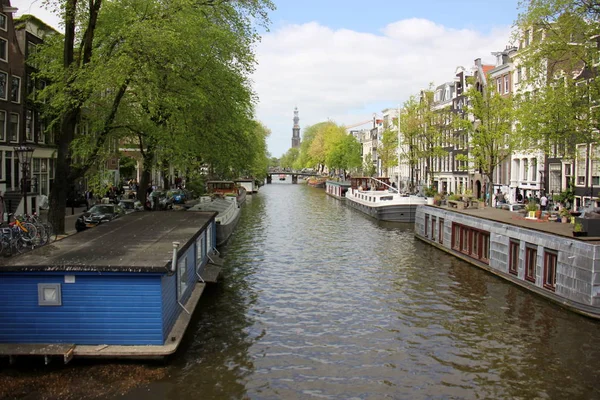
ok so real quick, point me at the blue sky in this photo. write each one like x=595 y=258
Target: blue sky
x=347 y=60
x=370 y=16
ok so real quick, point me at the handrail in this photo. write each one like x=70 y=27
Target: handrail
x=385 y=184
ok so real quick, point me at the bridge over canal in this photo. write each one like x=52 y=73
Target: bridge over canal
x=293 y=174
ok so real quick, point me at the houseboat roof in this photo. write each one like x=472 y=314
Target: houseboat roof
x=137 y=242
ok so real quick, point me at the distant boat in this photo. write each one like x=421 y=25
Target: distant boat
x=375 y=197
x=227 y=188
x=227 y=217
x=250 y=184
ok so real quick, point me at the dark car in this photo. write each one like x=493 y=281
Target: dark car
x=98 y=214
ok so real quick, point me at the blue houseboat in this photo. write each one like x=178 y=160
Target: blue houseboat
x=126 y=288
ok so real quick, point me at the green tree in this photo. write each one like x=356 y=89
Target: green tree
x=346 y=155
x=559 y=54
x=388 y=150
x=369 y=168
x=490 y=135
x=156 y=73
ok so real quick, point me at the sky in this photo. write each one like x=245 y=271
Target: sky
x=346 y=60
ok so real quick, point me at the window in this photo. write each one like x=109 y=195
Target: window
x=519 y=74
x=49 y=294
x=464 y=240
x=550 y=258
x=200 y=249
x=3 y=81
x=2 y=126
x=499 y=85
x=581 y=164
x=41 y=127
x=433 y=226
x=13 y=127
x=506 y=84
x=3 y=49
x=513 y=257
x=182 y=283
x=472 y=242
x=456 y=237
x=29 y=125
x=441 y=231
x=3 y=21
x=426 y=225
x=15 y=89
x=530 y=262
x=31 y=53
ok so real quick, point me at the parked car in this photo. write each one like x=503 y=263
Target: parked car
x=98 y=214
x=179 y=196
x=164 y=202
x=131 y=205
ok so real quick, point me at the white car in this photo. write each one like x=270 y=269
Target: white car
x=514 y=207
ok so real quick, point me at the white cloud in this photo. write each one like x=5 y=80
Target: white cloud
x=346 y=76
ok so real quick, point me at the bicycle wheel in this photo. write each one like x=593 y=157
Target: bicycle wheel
x=50 y=232
x=19 y=244
x=29 y=232
x=42 y=236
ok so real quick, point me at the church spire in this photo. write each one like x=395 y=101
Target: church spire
x=296 y=130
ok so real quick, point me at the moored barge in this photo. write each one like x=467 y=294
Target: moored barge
x=124 y=289
x=337 y=189
x=542 y=257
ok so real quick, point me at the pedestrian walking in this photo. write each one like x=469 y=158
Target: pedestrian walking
x=543 y=202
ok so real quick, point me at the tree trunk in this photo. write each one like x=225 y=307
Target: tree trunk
x=58 y=194
x=148 y=157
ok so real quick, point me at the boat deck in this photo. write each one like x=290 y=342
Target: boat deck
x=512 y=218
x=137 y=242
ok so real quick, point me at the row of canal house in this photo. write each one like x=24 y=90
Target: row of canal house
x=20 y=117
x=21 y=122
x=530 y=173
x=540 y=257
x=127 y=288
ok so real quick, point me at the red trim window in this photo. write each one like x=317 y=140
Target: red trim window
x=550 y=262
x=485 y=247
x=433 y=226
x=456 y=237
x=426 y=225
x=530 y=262
x=475 y=237
x=464 y=240
x=441 y=231
x=513 y=257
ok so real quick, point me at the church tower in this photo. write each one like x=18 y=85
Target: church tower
x=296 y=130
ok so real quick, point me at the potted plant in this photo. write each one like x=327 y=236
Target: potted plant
x=578 y=230
x=531 y=209
x=564 y=215
x=437 y=199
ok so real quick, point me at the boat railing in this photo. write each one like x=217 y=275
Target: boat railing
x=390 y=188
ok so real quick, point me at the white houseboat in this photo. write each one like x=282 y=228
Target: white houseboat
x=377 y=198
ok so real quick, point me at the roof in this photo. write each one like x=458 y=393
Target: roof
x=487 y=68
x=138 y=242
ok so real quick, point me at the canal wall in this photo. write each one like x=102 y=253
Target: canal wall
x=560 y=268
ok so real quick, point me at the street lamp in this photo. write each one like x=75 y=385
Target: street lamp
x=24 y=153
x=542 y=186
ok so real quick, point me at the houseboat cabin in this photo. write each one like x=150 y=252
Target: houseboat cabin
x=543 y=258
x=126 y=288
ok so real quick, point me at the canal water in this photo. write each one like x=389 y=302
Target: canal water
x=319 y=301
